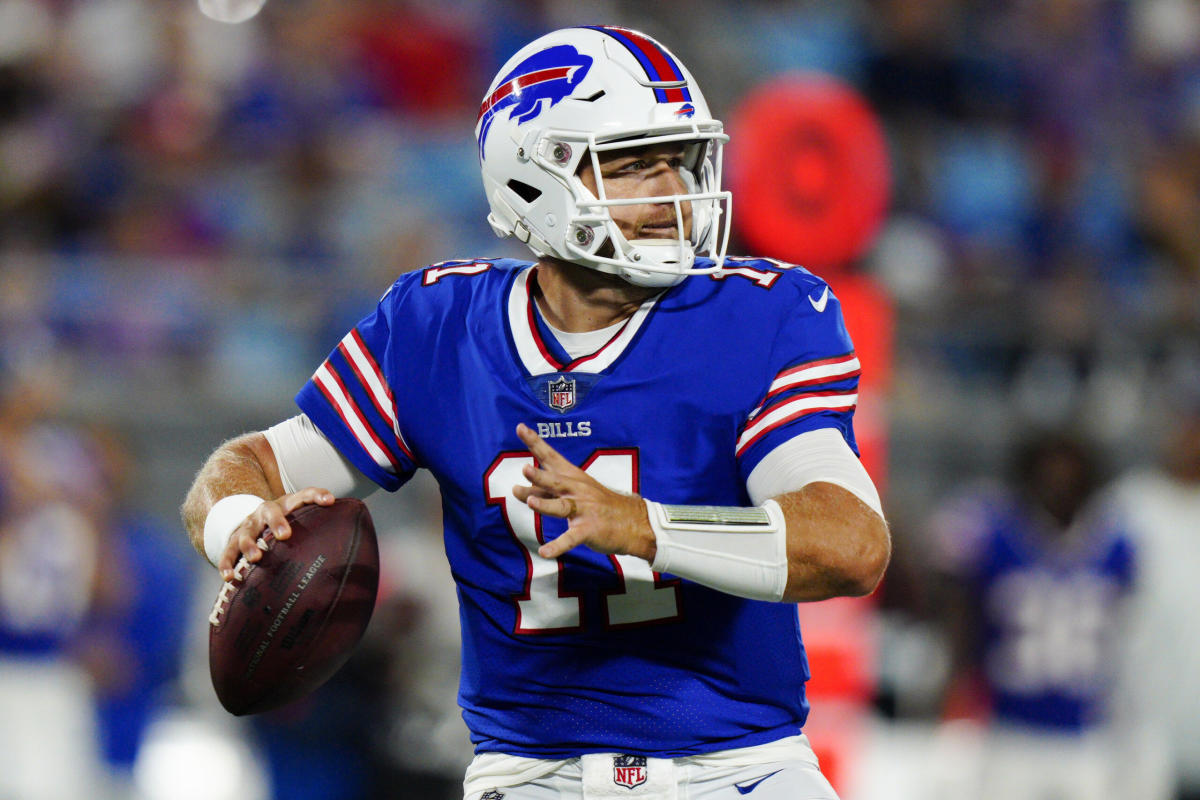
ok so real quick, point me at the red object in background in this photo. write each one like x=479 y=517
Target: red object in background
x=808 y=166
x=871 y=320
x=421 y=63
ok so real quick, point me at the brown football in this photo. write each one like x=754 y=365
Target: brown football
x=284 y=626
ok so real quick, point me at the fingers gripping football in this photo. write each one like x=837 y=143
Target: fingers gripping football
x=605 y=520
x=272 y=516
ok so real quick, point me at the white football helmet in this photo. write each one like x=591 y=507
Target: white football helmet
x=573 y=94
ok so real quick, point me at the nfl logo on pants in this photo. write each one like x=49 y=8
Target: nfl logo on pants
x=629 y=771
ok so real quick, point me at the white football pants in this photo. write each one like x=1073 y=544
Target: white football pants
x=757 y=773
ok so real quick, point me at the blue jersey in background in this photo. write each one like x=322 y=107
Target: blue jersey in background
x=1049 y=608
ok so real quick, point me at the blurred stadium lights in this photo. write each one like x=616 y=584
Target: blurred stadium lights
x=231 y=11
x=188 y=756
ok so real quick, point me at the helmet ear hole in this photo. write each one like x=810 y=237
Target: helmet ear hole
x=524 y=190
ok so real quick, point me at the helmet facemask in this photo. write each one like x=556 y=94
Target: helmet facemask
x=596 y=240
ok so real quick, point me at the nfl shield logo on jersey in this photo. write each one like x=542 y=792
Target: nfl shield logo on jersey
x=492 y=794
x=629 y=771
x=562 y=394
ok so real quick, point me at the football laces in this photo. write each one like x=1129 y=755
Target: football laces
x=240 y=570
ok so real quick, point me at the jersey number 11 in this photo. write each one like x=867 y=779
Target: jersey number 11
x=641 y=596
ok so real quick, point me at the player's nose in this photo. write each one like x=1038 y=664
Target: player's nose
x=667 y=181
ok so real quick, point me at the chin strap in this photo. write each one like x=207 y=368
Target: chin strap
x=670 y=259
x=509 y=223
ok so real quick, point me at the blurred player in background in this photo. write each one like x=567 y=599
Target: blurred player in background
x=58 y=575
x=1039 y=572
x=684 y=416
x=1160 y=686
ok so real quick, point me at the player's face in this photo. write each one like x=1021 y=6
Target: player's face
x=643 y=172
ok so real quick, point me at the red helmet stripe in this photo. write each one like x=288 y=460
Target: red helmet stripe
x=664 y=66
x=660 y=66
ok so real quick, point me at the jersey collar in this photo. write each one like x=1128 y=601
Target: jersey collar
x=533 y=351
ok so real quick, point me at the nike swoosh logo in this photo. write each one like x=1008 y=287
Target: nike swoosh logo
x=747 y=788
x=819 y=305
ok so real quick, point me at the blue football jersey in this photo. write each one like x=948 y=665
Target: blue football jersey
x=591 y=652
x=1049 y=606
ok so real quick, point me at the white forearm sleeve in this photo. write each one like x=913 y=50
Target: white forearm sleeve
x=739 y=551
x=820 y=455
x=307 y=458
x=743 y=551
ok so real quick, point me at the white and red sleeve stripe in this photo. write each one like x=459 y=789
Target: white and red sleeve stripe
x=792 y=409
x=366 y=370
x=334 y=390
x=827 y=384
x=353 y=384
x=826 y=370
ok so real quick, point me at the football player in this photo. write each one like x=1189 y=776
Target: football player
x=644 y=447
x=1039 y=572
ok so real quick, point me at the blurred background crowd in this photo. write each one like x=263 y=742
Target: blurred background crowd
x=193 y=213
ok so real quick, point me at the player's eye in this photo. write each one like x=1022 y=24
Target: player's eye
x=624 y=168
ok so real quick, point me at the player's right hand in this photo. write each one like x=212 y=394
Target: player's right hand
x=271 y=515
x=607 y=521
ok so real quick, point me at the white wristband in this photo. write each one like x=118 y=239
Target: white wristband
x=222 y=520
x=739 y=551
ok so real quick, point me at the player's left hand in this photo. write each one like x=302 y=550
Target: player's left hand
x=605 y=520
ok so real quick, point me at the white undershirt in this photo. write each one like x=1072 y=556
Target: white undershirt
x=584 y=343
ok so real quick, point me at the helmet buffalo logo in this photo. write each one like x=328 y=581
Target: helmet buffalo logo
x=685 y=110
x=549 y=75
